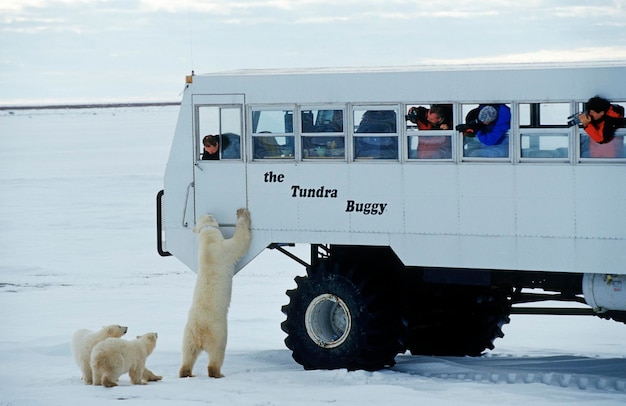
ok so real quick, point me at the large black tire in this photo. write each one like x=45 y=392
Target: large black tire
x=342 y=318
x=456 y=320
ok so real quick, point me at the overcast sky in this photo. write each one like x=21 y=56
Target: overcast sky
x=137 y=50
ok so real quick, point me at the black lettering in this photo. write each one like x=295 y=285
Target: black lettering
x=271 y=177
x=321 y=192
x=350 y=206
x=382 y=208
x=368 y=209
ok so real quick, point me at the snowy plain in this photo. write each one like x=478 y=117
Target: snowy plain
x=78 y=250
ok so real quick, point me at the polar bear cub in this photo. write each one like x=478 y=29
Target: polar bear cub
x=206 y=328
x=115 y=356
x=83 y=342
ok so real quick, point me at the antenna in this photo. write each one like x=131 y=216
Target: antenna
x=190 y=36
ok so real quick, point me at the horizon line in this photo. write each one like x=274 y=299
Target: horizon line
x=87 y=105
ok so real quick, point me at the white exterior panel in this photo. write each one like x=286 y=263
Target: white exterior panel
x=567 y=215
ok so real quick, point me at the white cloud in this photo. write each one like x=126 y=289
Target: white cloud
x=116 y=40
x=328 y=11
x=401 y=9
x=542 y=56
x=219 y=6
x=325 y=11
x=16 y=7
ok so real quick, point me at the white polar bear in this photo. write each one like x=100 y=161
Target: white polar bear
x=115 y=356
x=206 y=328
x=83 y=342
x=150 y=376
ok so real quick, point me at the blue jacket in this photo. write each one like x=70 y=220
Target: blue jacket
x=494 y=133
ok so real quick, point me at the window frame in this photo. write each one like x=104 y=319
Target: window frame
x=415 y=132
x=512 y=132
x=356 y=136
x=283 y=148
x=301 y=134
x=198 y=135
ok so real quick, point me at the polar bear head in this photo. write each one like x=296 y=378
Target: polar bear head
x=115 y=330
x=149 y=340
x=204 y=222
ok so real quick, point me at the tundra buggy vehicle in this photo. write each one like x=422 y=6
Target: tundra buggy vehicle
x=425 y=234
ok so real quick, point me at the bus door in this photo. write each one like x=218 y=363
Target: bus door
x=219 y=172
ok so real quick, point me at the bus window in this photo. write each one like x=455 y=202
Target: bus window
x=375 y=123
x=543 y=130
x=485 y=141
x=224 y=121
x=616 y=148
x=420 y=120
x=230 y=130
x=279 y=123
x=322 y=133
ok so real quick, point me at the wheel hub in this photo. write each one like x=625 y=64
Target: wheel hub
x=328 y=321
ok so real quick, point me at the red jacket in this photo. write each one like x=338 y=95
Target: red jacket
x=602 y=131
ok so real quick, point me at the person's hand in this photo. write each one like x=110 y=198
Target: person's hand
x=444 y=127
x=469 y=132
x=585 y=119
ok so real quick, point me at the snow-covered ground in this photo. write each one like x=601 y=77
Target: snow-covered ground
x=78 y=250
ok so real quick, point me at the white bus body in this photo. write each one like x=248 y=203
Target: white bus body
x=542 y=215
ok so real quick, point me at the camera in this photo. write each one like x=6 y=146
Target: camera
x=470 y=126
x=574 y=119
x=412 y=116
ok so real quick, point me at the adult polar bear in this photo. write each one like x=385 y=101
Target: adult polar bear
x=206 y=328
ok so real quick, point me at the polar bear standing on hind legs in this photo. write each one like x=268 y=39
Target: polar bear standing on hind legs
x=206 y=328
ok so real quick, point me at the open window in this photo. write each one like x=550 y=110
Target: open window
x=429 y=129
x=614 y=149
x=224 y=124
x=485 y=130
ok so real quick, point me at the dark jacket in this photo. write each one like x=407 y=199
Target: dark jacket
x=210 y=157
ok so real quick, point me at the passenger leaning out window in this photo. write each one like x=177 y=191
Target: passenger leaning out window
x=600 y=122
x=211 y=145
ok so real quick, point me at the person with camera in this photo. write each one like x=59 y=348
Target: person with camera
x=490 y=124
x=600 y=121
x=434 y=118
x=437 y=117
